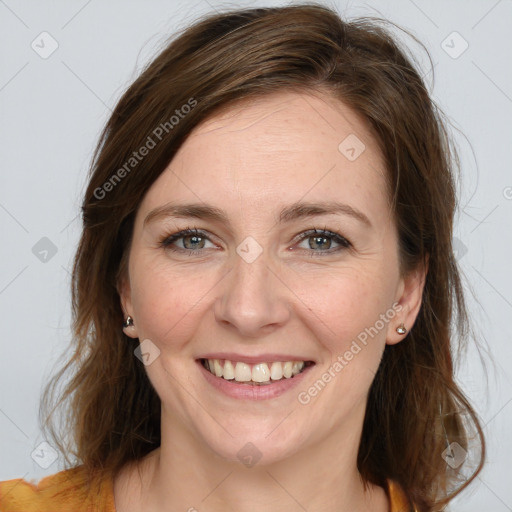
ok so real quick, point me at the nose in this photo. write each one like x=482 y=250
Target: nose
x=253 y=300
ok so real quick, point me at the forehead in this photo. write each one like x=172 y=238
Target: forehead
x=275 y=150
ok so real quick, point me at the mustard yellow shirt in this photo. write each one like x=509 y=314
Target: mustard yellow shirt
x=65 y=492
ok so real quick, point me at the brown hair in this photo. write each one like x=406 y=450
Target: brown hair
x=414 y=407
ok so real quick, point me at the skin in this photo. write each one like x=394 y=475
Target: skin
x=251 y=161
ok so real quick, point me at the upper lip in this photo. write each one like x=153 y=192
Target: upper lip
x=260 y=358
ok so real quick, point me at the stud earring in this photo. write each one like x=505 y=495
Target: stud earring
x=401 y=329
x=128 y=322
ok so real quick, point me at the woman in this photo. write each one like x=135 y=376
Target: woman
x=265 y=285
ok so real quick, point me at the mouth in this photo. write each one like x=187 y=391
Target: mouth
x=259 y=374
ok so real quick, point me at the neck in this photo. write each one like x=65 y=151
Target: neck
x=185 y=475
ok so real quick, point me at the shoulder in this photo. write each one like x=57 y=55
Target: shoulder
x=67 y=490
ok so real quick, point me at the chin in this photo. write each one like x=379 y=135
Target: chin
x=251 y=450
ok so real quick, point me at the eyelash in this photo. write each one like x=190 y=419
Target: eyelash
x=168 y=240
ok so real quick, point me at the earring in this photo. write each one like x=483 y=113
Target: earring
x=128 y=322
x=401 y=329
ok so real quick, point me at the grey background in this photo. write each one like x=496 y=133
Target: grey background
x=52 y=111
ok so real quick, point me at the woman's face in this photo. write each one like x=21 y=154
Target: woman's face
x=255 y=285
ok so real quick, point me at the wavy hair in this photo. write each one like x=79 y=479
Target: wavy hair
x=415 y=409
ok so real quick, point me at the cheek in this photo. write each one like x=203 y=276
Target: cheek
x=347 y=303
x=352 y=318
x=166 y=302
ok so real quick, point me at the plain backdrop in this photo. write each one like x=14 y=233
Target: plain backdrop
x=63 y=67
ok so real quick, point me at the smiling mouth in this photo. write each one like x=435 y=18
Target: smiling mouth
x=260 y=374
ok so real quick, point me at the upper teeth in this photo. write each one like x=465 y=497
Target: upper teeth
x=243 y=372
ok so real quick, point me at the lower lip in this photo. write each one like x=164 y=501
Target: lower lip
x=249 y=392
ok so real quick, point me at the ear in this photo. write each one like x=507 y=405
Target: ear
x=409 y=298
x=124 y=290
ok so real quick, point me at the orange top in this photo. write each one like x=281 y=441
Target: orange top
x=65 y=492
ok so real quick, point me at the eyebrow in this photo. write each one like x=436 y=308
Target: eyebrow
x=300 y=210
